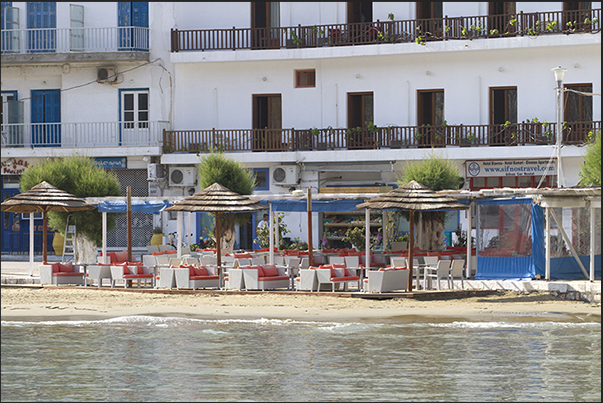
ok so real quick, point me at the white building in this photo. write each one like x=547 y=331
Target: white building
x=340 y=95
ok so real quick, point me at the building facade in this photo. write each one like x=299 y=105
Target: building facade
x=332 y=96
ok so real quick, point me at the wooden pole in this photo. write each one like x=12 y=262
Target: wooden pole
x=218 y=247
x=310 y=247
x=129 y=219
x=411 y=245
x=44 y=236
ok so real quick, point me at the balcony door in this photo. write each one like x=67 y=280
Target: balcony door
x=503 y=108
x=576 y=15
x=578 y=112
x=500 y=13
x=360 y=118
x=429 y=19
x=134 y=17
x=430 y=118
x=46 y=118
x=41 y=25
x=134 y=117
x=267 y=123
x=265 y=23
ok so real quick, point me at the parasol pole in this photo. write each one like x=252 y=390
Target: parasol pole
x=44 y=236
x=411 y=245
x=310 y=246
x=31 y=243
x=218 y=247
x=270 y=235
x=129 y=219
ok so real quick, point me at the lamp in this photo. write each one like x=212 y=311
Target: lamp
x=559 y=74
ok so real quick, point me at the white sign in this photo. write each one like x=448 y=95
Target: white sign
x=510 y=168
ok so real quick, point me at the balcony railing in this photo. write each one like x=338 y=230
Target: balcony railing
x=75 y=40
x=419 y=31
x=517 y=134
x=93 y=135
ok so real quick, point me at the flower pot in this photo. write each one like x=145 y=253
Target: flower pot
x=58 y=242
x=157 y=239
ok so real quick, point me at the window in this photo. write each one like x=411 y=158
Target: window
x=261 y=178
x=578 y=112
x=503 y=108
x=305 y=78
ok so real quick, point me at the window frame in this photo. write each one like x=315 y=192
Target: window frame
x=297 y=78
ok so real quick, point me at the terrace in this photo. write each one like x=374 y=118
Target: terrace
x=394 y=31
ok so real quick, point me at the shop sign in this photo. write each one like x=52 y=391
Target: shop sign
x=111 y=162
x=510 y=168
x=13 y=166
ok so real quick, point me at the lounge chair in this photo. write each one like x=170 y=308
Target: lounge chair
x=336 y=274
x=265 y=277
x=388 y=279
x=194 y=277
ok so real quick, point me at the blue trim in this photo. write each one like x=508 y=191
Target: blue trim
x=566 y=268
x=317 y=205
x=538 y=236
x=522 y=200
x=151 y=207
x=505 y=268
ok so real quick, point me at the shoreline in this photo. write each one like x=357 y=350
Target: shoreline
x=45 y=304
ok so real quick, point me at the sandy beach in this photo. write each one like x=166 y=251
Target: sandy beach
x=48 y=303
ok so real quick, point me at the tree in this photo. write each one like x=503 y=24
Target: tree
x=216 y=168
x=79 y=176
x=437 y=173
x=590 y=173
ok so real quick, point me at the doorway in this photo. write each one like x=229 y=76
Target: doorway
x=430 y=118
x=265 y=23
x=360 y=121
x=267 y=123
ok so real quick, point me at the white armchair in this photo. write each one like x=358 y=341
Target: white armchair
x=387 y=280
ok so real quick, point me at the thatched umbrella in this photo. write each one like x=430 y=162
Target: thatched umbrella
x=217 y=199
x=44 y=197
x=412 y=197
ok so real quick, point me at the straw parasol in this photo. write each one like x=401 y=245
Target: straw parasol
x=217 y=199
x=412 y=197
x=44 y=197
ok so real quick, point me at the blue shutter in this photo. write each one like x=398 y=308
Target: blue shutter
x=42 y=15
x=4 y=4
x=46 y=108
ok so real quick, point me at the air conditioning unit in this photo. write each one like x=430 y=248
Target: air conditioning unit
x=285 y=175
x=180 y=176
x=155 y=172
x=106 y=75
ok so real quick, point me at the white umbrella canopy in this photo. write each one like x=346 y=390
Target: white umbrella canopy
x=44 y=197
x=218 y=199
x=412 y=197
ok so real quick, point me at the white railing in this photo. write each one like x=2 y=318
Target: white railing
x=92 y=135
x=74 y=40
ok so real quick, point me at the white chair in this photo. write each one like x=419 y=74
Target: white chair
x=279 y=261
x=175 y=261
x=163 y=248
x=292 y=264
x=98 y=273
x=440 y=271
x=387 y=280
x=304 y=263
x=398 y=261
x=152 y=248
x=209 y=260
x=306 y=281
x=242 y=262
x=234 y=280
x=258 y=261
x=151 y=262
x=189 y=260
x=336 y=259
x=457 y=268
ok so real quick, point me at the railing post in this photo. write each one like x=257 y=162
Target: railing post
x=233 y=38
x=174 y=35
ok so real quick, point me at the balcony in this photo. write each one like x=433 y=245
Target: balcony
x=379 y=32
x=83 y=135
x=75 y=44
x=375 y=138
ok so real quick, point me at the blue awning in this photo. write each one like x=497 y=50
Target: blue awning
x=321 y=206
x=137 y=206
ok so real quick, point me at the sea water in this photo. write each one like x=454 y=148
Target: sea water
x=149 y=358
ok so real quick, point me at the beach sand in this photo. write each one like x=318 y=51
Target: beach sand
x=80 y=304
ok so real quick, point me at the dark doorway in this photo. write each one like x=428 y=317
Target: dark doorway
x=265 y=22
x=430 y=118
x=429 y=20
x=576 y=16
x=360 y=121
x=578 y=113
x=500 y=14
x=503 y=109
x=267 y=123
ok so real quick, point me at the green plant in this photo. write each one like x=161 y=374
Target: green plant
x=157 y=230
x=168 y=149
x=315 y=131
x=372 y=128
x=390 y=16
x=471 y=137
x=80 y=176
x=590 y=172
x=356 y=237
x=263 y=234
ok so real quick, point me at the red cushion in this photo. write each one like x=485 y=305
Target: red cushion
x=259 y=269
x=200 y=271
x=245 y=255
x=270 y=270
x=170 y=252
x=66 y=268
x=121 y=256
x=157 y=253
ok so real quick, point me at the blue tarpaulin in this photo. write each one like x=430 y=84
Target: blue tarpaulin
x=318 y=206
x=137 y=206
